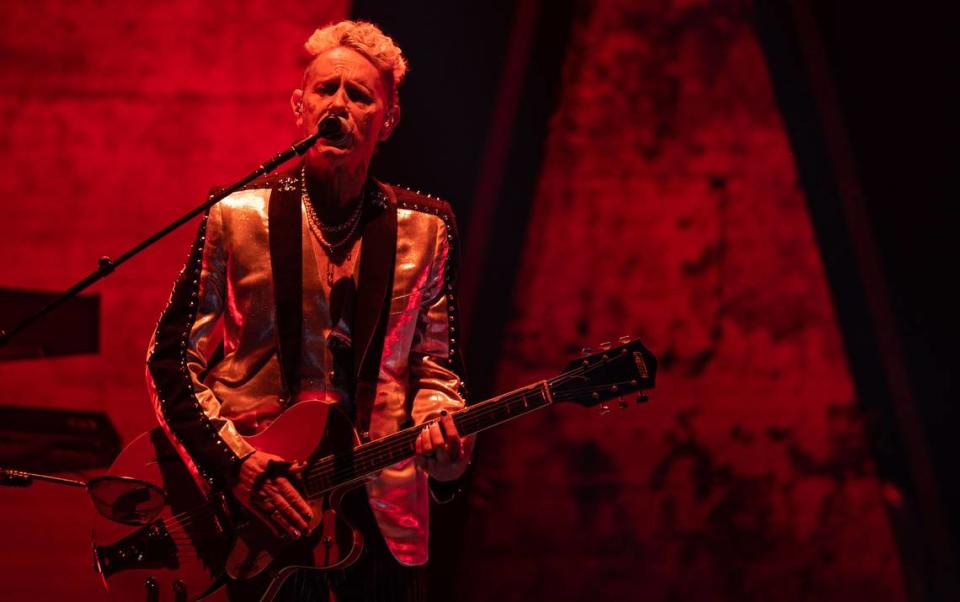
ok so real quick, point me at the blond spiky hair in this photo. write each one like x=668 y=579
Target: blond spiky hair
x=368 y=40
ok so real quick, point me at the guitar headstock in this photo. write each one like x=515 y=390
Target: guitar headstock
x=612 y=372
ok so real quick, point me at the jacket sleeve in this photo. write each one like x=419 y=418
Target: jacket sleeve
x=188 y=410
x=436 y=366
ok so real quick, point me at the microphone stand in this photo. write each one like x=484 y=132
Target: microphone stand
x=106 y=265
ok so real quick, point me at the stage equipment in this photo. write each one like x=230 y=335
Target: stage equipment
x=46 y=440
x=80 y=317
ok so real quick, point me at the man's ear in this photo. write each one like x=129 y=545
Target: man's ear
x=390 y=121
x=296 y=103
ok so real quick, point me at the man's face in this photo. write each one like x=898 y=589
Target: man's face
x=343 y=82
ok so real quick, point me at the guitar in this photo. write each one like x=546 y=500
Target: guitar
x=180 y=548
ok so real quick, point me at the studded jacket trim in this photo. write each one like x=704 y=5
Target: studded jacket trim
x=182 y=402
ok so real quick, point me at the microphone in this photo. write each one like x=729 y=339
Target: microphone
x=330 y=126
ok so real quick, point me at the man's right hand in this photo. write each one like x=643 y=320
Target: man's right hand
x=274 y=498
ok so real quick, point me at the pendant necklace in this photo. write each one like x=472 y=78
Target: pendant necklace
x=330 y=267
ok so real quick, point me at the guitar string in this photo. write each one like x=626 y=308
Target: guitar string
x=183 y=519
x=193 y=556
x=186 y=524
x=389 y=456
x=394 y=441
x=402 y=443
x=207 y=505
x=186 y=545
x=184 y=550
x=189 y=516
x=178 y=525
x=195 y=532
x=386 y=457
x=577 y=393
x=383 y=452
x=482 y=410
x=186 y=519
x=191 y=524
x=186 y=537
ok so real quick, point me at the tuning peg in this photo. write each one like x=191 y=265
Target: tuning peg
x=605 y=345
x=624 y=339
x=642 y=398
x=604 y=409
x=586 y=351
x=622 y=403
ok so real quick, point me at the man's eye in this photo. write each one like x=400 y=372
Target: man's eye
x=358 y=95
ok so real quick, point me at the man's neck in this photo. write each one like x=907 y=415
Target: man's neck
x=332 y=188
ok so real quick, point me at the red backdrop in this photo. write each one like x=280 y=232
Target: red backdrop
x=668 y=207
x=118 y=117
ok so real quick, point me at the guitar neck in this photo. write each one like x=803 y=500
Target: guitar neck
x=345 y=467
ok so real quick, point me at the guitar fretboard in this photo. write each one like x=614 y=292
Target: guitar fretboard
x=341 y=468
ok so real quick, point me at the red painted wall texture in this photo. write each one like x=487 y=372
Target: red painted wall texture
x=115 y=118
x=669 y=208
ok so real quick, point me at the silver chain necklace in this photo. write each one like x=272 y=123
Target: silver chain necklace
x=318 y=227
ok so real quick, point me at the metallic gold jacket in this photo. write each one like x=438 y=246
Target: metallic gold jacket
x=407 y=365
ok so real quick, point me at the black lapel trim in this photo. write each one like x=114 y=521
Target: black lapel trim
x=286 y=261
x=377 y=260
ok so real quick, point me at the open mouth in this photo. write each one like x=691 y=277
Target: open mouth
x=342 y=141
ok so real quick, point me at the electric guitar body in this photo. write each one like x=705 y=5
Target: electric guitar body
x=307 y=432
x=175 y=555
x=181 y=554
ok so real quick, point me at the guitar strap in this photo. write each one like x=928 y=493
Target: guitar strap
x=284 y=219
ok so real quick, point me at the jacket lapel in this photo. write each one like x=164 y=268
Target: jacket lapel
x=377 y=259
x=286 y=261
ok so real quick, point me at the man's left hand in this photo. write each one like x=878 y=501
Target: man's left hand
x=440 y=449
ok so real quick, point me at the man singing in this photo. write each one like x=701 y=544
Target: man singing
x=330 y=286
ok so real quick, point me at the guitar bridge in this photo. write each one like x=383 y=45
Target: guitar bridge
x=150 y=547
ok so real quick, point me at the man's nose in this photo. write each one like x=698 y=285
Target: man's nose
x=338 y=102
